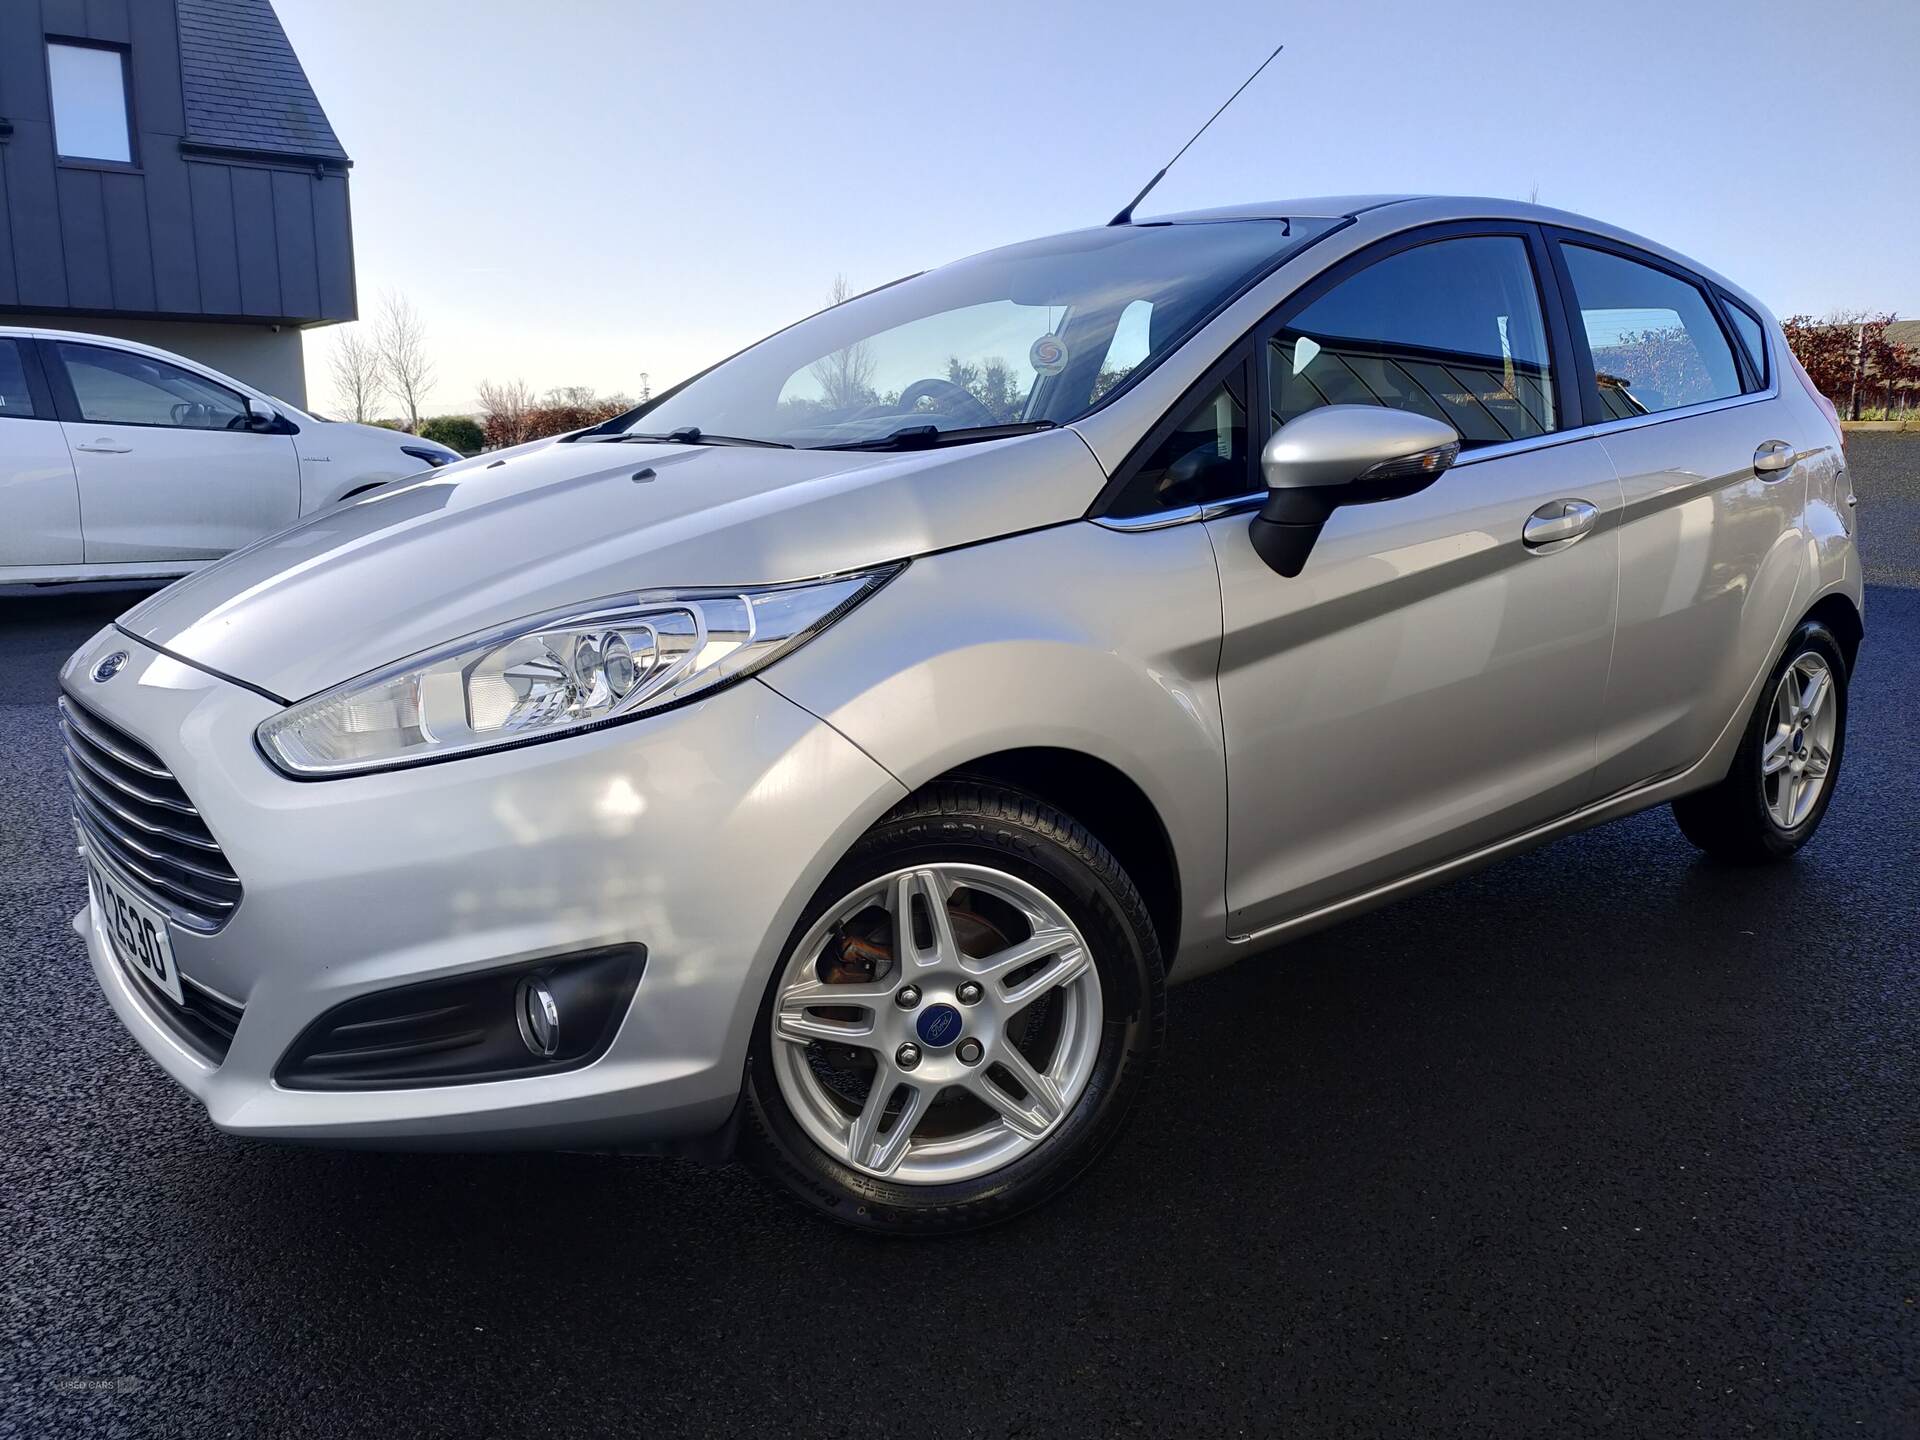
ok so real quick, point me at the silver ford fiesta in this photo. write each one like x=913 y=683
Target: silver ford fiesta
x=834 y=759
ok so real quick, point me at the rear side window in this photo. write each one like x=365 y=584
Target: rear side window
x=1451 y=329
x=1752 y=335
x=1654 y=341
x=116 y=387
x=16 y=401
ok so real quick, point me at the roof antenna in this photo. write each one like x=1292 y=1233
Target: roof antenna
x=1125 y=217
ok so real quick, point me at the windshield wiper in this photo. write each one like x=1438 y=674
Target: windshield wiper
x=926 y=437
x=691 y=435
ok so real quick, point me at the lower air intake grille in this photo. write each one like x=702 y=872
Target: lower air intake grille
x=204 y=1024
x=466 y=1027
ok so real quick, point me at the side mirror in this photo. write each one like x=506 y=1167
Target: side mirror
x=1342 y=455
x=262 y=421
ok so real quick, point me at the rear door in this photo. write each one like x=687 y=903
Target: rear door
x=1708 y=557
x=166 y=466
x=39 y=500
x=1431 y=682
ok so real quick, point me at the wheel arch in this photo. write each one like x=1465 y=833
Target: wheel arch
x=1839 y=614
x=1114 y=809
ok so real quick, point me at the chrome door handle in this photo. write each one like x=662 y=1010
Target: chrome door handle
x=1559 y=523
x=106 y=447
x=1773 y=459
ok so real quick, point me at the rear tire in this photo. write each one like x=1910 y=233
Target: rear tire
x=1076 y=1029
x=1783 y=775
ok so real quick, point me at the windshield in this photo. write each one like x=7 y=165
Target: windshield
x=1032 y=334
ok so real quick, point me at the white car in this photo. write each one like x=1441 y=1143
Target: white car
x=120 y=461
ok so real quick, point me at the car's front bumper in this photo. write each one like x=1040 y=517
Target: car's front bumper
x=699 y=833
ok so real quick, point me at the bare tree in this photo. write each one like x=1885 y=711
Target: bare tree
x=845 y=377
x=577 y=395
x=356 y=375
x=504 y=408
x=401 y=342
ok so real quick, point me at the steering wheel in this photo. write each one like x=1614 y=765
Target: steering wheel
x=952 y=398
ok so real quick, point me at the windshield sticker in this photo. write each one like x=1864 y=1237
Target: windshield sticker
x=1048 y=355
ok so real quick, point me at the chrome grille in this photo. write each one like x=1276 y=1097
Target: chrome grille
x=134 y=813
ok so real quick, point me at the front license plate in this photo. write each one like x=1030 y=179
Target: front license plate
x=139 y=931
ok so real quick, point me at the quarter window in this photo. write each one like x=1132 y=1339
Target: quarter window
x=1202 y=460
x=1451 y=329
x=89 y=85
x=116 y=387
x=16 y=401
x=1752 y=335
x=1652 y=335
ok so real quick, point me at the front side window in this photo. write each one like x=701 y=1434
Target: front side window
x=1654 y=341
x=16 y=400
x=89 y=84
x=1451 y=329
x=116 y=387
x=1032 y=334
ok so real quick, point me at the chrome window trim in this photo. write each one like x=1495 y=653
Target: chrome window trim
x=1684 y=412
x=1180 y=515
x=1213 y=509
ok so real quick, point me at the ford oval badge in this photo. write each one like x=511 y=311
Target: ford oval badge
x=938 y=1026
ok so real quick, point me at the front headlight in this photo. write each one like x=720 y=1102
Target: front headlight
x=554 y=674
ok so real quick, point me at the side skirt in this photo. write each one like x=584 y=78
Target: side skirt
x=1627 y=802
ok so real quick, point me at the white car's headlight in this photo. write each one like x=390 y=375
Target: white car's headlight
x=555 y=674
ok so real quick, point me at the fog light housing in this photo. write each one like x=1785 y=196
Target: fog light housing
x=538 y=1017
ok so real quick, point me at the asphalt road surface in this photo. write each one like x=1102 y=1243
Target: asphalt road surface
x=1606 y=1139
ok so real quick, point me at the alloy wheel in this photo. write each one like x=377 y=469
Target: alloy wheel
x=1797 y=755
x=936 y=1024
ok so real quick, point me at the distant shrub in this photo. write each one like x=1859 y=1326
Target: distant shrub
x=509 y=414
x=456 y=432
x=544 y=420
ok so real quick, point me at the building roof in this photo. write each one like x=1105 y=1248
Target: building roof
x=245 y=88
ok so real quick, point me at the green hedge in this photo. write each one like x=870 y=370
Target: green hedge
x=456 y=432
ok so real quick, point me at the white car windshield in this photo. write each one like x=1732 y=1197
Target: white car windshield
x=1030 y=335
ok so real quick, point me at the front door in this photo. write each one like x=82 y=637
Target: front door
x=166 y=465
x=1431 y=682
x=39 y=503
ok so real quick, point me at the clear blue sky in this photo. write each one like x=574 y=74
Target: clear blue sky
x=577 y=191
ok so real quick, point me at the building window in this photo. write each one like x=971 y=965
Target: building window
x=89 y=102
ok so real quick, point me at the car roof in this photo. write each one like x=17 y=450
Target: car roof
x=156 y=352
x=1315 y=207
x=1438 y=209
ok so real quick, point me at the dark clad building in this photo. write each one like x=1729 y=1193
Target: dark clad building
x=167 y=174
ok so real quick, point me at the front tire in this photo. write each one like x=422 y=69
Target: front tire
x=963 y=1017
x=1783 y=775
